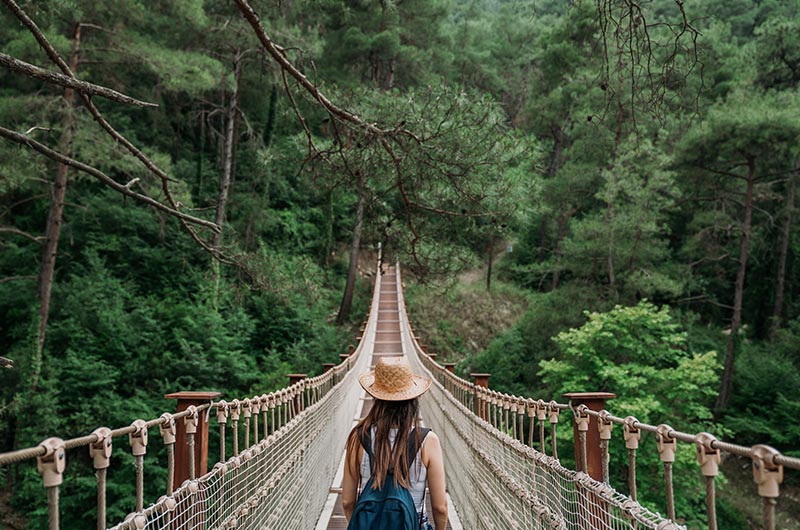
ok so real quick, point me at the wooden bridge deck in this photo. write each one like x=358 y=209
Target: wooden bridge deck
x=388 y=342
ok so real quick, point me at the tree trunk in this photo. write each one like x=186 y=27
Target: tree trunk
x=490 y=261
x=555 y=164
x=786 y=231
x=543 y=237
x=744 y=249
x=329 y=240
x=562 y=232
x=55 y=218
x=227 y=156
x=349 y=288
x=610 y=257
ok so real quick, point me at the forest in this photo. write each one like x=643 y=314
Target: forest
x=584 y=195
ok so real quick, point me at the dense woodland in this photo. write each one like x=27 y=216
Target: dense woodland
x=640 y=160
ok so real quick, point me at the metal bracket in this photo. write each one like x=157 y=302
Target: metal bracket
x=707 y=456
x=100 y=451
x=191 y=420
x=631 y=433
x=604 y=424
x=52 y=463
x=167 y=428
x=553 y=412
x=766 y=473
x=667 y=445
x=138 y=438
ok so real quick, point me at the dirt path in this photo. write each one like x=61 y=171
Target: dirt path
x=479 y=273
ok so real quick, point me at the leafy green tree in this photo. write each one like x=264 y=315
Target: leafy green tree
x=387 y=44
x=640 y=354
x=625 y=244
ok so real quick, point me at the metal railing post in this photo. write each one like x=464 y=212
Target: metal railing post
x=100 y=453
x=709 y=458
x=591 y=433
x=481 y=405
x=298 y=398
x=667 y=445
x=185 y=400
x=632 y=435
x=768 y=475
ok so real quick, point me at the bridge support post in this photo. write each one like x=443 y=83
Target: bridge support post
x=298 y=399
x=593 y=511
x=182 y=456
x=481 y=405
x=450 y=367
x=595 y=401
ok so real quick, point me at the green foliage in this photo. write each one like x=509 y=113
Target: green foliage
x=529 y=132
x=640 y=354
x=762 y=409
x=626 y=243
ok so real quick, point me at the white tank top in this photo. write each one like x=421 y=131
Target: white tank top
x=417 y=475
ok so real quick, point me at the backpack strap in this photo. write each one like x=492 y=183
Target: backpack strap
x=412 y=457
x=413 y=448
x=366 y=443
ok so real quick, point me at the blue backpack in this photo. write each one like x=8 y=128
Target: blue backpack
x=391 y=507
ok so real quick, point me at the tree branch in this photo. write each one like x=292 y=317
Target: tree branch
x=15 y=278
x=11 y=230
x=55 y=78
x=278 y=54
x=102 y=177
x=137 y=153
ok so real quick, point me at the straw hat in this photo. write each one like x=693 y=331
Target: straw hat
x=392 y=380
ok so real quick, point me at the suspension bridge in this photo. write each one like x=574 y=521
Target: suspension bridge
x=286 y=466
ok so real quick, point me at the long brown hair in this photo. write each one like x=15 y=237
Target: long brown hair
x=384 y=416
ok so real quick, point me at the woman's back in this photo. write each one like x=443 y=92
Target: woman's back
x=417 y=475
x=394 y=419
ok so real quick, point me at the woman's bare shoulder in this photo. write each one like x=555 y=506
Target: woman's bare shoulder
x=430 y=447
x=431 y=436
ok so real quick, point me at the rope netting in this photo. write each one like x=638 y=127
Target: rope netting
x=281 y=482
x=497 y=482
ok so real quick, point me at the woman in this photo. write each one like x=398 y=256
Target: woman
x=389 y=425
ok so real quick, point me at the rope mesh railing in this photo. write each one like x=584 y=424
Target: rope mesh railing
x=497 y=481
x=512 y=421
x=280 y=482
x=278 y=476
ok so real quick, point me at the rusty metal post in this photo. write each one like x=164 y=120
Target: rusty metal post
x=594 y=458
x=432 y=356
x=185 y=400
x=481 y=406
x=327 y=366
x=298 y=399
x=450 y=367
x=424 y=348
x=351 y=349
